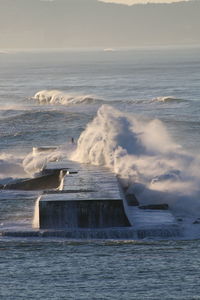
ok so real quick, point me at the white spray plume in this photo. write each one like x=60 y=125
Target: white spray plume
x=36 y=161
x=149 y=163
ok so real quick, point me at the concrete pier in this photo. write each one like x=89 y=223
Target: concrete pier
x=87 y=202
x=90 y=198
x=81 y=213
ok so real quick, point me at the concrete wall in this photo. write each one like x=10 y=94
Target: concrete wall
x=82 y=214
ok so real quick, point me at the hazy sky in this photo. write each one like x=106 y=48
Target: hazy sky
x=91 y=23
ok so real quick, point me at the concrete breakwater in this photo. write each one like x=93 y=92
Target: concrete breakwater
x=90 y=198
x=81 y=201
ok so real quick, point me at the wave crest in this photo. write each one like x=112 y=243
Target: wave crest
x=58 y=97
x=143 y=154
x=167 y=99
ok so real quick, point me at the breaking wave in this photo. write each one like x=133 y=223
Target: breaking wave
x=37 y=160
x=58 y=97
x=149 y=163
x=167 y=99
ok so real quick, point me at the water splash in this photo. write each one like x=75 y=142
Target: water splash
x=150 y=164
x=36 y=161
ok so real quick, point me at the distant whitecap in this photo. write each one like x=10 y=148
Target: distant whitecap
x=166 y=99
x=59 y=97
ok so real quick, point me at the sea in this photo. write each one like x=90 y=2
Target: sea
x=135 y=111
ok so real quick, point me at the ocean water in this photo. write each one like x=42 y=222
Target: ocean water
x=136 y=112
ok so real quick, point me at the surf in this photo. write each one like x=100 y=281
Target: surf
x=148 y=162
x=62 y=98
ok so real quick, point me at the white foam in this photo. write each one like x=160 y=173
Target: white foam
x=36 y=161
x=166 y=99
x=149 y=163
x=59 y=97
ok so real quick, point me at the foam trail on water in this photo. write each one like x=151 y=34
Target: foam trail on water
x=59 y=97
x=149 y=163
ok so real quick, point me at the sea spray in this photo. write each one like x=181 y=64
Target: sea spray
x=59 y=97
x=149 y=163
x=36 y=161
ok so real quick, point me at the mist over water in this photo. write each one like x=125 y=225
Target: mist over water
x=149 y=163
